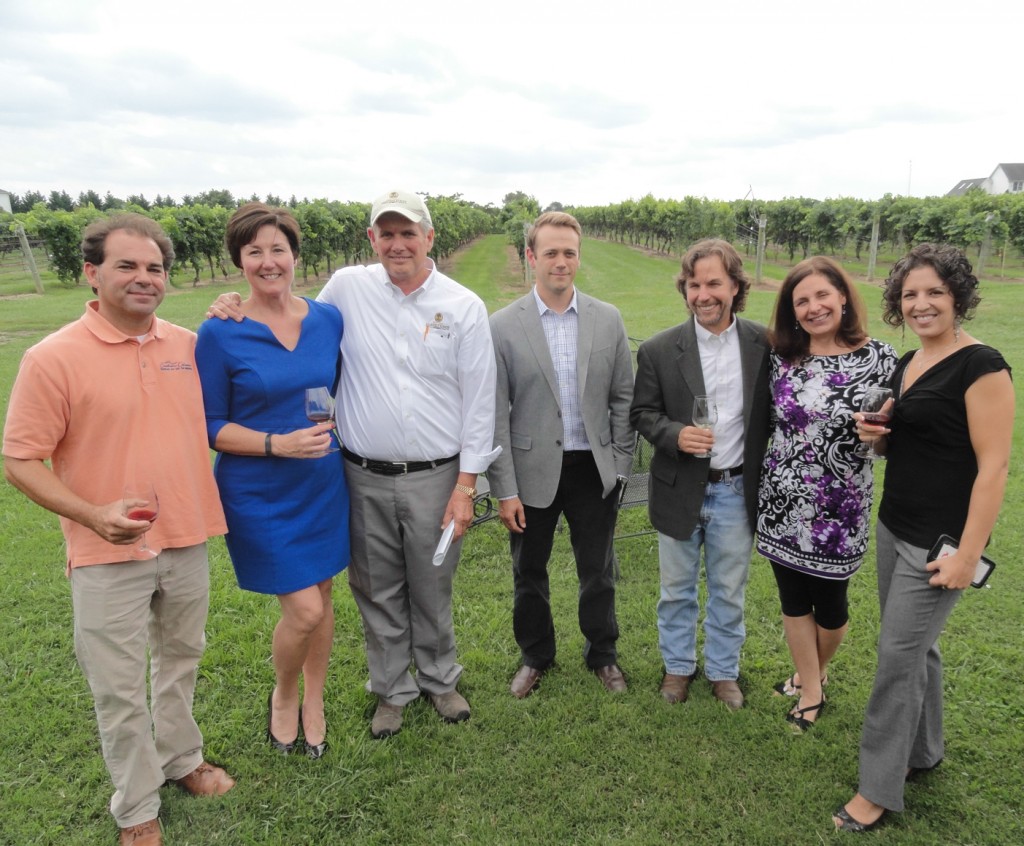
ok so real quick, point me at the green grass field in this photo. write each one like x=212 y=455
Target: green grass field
x=571 y=764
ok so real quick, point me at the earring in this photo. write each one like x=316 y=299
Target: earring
x=796 y=325
x=956 y=330
x=844 y=309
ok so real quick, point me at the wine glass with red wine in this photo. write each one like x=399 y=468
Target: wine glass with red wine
x=876 y=408
x=320 y=406
x=141 y=503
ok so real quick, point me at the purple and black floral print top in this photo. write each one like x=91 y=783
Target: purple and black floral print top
x=814 y=500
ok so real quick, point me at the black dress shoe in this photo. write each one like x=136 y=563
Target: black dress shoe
x=314 y=751
x=283 y=748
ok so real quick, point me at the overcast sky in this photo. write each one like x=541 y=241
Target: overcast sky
x=584 y=103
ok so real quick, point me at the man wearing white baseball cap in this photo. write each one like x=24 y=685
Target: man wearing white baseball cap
x=416 y=416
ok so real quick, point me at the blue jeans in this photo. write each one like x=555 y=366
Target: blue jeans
x=724 y=531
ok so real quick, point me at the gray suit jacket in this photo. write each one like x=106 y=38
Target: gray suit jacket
x=528 y=424
x=668 y=377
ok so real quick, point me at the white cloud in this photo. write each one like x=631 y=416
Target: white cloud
x=586 y=103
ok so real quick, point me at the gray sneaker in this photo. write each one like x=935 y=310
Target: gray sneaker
x=452 y=706
x=387 y=720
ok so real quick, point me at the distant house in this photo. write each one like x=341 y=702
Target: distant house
x=5 y=201
x=1005 y=179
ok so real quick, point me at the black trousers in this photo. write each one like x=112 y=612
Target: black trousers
x=591 y=520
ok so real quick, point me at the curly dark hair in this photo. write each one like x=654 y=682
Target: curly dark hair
x=731 y=261
x=788 y=340
x=952 y=267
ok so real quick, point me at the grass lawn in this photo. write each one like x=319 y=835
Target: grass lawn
x=571 y=764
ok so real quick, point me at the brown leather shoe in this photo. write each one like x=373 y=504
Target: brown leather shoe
x=675 y=688
x=525 y=681
x=143 y=834
x=206 y=780
x=729 y=692
x=612 y=679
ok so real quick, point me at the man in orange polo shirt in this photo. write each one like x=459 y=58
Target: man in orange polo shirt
x=113 y=402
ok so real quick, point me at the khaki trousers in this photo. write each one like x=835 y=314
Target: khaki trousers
x=119 y=609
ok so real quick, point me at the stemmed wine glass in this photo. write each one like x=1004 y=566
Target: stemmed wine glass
x=142 y=503
x=320 y=406
x=874 y=409
x=705 y=416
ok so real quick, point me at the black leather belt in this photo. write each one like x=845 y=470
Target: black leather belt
x=725 y=475
x=575 y=456
x=395 y=468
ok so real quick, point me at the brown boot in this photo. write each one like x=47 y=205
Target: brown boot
x=143 y=834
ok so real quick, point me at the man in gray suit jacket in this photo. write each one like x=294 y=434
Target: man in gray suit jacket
x=695 y=500
x=565 y=381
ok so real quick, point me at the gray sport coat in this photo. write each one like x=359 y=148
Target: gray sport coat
x=528 y=424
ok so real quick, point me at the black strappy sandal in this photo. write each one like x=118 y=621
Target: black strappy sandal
x=797 y=718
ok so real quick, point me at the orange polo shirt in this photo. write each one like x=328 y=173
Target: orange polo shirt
x=106 y=408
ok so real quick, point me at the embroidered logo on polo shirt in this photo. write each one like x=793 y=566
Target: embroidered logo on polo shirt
x=168 y=366
x=438 y=328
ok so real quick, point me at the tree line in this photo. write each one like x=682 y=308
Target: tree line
x=333 y=233
x=798 y=226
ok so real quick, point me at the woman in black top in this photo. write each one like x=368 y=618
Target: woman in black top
x=948 y=445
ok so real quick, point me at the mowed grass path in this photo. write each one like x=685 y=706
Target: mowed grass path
x=569 y=765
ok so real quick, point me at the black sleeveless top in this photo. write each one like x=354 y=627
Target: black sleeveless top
x=931 y=464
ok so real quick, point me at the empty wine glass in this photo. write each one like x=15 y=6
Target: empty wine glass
x=142 y=503
x=875 y=410
x=705 y=416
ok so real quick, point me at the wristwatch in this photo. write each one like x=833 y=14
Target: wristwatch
x=468 y=491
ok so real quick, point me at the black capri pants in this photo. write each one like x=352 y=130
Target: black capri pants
x=802 y=594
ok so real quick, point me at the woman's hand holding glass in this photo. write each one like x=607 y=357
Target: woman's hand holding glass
x=872 y=422
x=316 y=441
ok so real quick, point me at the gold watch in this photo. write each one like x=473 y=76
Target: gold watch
x=468 y=491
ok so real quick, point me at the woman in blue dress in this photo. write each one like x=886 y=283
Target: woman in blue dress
x=814 y=500
x=281 y=482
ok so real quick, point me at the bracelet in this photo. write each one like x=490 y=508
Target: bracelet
x=266 y=445
x=468 y=491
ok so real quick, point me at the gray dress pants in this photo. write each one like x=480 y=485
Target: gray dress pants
x=405 y=601
x=903 y=721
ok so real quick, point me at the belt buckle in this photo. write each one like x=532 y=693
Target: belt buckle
x=404 y=465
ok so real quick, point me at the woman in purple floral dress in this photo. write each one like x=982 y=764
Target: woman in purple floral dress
x=815 y=493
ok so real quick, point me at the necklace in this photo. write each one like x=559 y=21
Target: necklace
x=927 y=359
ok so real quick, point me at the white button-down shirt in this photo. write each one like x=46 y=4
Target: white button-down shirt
x=562 y=334
x=418 y=371
x=723 y=381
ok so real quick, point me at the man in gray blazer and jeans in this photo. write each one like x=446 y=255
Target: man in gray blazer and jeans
x=699 y=502
x=565 y=382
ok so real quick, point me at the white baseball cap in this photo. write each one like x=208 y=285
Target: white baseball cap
x=409 y=206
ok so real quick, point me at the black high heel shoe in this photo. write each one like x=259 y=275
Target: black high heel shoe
x=916 y=772
x=283 y=748
x=848 y=823
x=314 y=751
x=797 y=718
